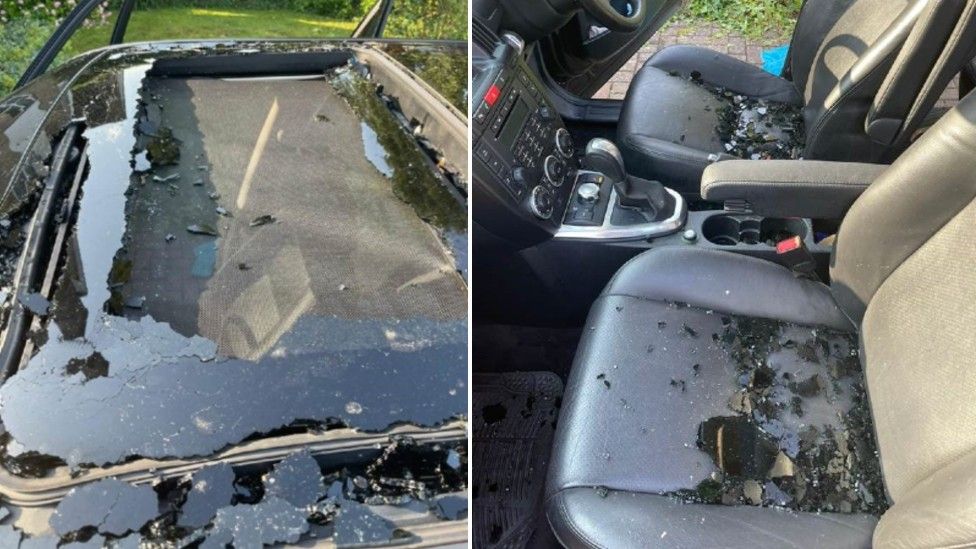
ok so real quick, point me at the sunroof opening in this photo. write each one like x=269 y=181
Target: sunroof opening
x=248 y=253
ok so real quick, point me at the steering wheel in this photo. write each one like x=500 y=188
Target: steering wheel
x=608 y=16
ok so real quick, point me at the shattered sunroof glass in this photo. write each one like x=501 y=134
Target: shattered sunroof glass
x=248 y=254
x=363 y=503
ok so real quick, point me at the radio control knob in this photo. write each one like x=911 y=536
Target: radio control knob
x=541 y=202
x=555 y=170
x=588 y=192
x=564 y=143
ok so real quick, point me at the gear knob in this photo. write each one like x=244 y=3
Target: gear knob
x=604 y=157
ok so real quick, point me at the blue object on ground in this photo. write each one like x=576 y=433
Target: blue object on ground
x=775 y=59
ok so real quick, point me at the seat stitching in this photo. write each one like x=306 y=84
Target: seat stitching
x=707 y=186
x=722 y=310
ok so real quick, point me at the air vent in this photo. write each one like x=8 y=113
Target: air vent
x=483 y=37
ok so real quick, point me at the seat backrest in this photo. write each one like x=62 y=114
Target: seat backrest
x=904 y=269
x=831 y=35
x=841 y=53
x=927 y=62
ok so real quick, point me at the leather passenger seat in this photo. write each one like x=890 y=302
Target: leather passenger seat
x=648 y=371
x=861 y=78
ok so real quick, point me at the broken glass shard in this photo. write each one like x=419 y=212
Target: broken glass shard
x=211 y=488
x=35 y=303
x=272 y=521
x=356 y=525
x=737 y=446
x=110 y=506
x=296 y=479
x=202 y=229
x=263 y=220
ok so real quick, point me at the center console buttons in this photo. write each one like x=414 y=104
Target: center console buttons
x=541 y=202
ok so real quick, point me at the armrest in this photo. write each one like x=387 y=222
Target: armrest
x=789 y=188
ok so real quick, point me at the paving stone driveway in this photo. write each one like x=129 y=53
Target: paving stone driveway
x=713 y=37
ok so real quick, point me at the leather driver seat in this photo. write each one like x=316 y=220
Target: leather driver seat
x=649 y=372
x=861 y=78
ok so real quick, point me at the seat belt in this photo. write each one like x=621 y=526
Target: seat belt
x=794 y=255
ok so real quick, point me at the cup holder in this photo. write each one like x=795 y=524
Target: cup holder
x=732 y=230
x=774 y=229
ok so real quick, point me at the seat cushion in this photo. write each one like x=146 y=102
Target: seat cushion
x=668 y=127
x=664 y=351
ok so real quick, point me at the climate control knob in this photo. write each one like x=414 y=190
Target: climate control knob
x=564 y=143
x=541 y=202
x=555 y=170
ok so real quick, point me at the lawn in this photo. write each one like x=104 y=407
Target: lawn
x=178 y=23
x=21 y=39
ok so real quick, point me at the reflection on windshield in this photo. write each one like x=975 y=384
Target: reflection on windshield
x=233 y=272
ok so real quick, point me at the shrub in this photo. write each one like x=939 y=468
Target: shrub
x=338 y=9
x=20 y=41
x=47 y=10
x=428 y=19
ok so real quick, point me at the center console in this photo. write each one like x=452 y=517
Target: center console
x=528 y=169
x=544 y=206
x=522 y=149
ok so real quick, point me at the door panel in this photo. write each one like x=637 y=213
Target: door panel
x=582 y=56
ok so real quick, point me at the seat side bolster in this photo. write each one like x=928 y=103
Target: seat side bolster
x=937 y=512
x=729 y=283
x=584 y=517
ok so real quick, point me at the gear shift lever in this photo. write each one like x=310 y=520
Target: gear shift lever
x=604 y=157
x=633 y=192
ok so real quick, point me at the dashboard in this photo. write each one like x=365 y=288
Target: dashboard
x=524 y=158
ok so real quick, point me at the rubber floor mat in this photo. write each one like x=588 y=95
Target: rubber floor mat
x=514 y=421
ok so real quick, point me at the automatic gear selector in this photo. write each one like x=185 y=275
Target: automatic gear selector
x=609 y=204
x=649 y=197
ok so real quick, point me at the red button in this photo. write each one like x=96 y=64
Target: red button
x=492 y=96
x=789 y=245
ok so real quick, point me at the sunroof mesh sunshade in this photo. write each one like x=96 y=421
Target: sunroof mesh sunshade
x=247 y=254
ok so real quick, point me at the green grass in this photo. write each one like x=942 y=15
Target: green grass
x=21 y=39
x=772 y=20
x=191 y=23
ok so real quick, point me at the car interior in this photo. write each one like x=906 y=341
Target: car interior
x=719 y=312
